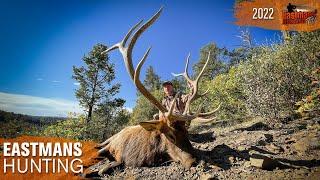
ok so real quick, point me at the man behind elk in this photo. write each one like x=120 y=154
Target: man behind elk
x=170 y=93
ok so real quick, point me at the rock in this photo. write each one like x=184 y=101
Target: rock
x=241 y=148
x=201 y=166
x=205 y=146
x=231 y=159
x=269 y=138
x=274 y=148
x=207 y=177
x=307 y=143
x=247 y=164
x=289 y=140
x=313 y=127
x=289 y=131
x=261 y=143
x=278 y=125
x=302 y=126
x=193 y=170
x=288 y=170
x=287 y=149
x=263 y=162
x=252 y=152
x=215 y=168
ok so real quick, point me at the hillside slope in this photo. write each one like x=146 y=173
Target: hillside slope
x=255 y=149
x=13 y=124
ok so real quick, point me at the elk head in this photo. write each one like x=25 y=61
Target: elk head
x=139 y=145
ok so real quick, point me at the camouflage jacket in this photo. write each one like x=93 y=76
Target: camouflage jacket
x=180 y=102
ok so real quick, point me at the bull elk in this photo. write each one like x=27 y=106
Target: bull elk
x=143 y=144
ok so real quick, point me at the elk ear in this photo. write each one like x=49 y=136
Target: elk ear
x=151 y=125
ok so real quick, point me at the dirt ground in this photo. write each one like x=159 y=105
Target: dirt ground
x=255 y=149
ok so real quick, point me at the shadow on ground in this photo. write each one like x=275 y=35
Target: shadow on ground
x=255 y=127
x=219 y=156
x=202 y=137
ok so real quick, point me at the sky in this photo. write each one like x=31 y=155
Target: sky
x=42 y=40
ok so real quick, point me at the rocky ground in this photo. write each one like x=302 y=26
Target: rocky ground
x=255 y=149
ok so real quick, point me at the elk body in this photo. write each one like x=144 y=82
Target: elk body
x=150 y=141
x=146 y=144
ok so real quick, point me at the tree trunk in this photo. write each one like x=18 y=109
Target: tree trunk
x=89 y=114
x=92 y=99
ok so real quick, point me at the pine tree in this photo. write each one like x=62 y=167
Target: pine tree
x=152 y=81
x=216 y=64
x=95 y=80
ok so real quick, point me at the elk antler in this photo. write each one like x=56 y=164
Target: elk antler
x=194 y=86
x=127 y=57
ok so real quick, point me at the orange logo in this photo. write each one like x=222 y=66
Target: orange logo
x=299 y=15
x=293 y=15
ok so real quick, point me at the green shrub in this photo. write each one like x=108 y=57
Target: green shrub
x=269 y=81
x=277 y=77
x=310 y=104
x=98 y=129
x=227 y=90
x=72 y=128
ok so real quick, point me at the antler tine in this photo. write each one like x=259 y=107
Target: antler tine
x=173 y=104
x=124 y=50
x=198 y=111
x=122 y=44
x=187 y=65
x=116 y=46
x=204 y=67
x=128 y=50
x=185 y=74
x=193 y=84
x=204 y=120
x=127 y=57
x=189 y=117
x=138 y=69
x=124 y=41
x=137 y=34
x=209 y=113
x=140 y=86
x=190 y=83
x=205 y=93
x=202 y=117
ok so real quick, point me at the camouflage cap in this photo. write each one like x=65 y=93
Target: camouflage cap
x=167 y=83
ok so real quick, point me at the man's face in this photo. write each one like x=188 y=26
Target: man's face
x=168 y=89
